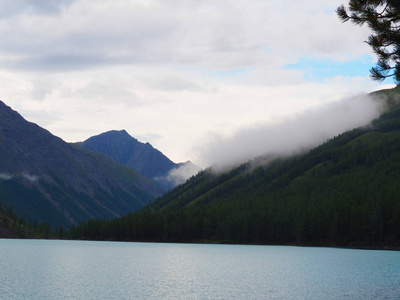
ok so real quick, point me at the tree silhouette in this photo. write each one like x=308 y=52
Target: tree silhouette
x=383 y=17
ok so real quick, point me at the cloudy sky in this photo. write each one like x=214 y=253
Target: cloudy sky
x=179 y=74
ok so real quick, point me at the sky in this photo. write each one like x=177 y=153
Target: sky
x=197 y=79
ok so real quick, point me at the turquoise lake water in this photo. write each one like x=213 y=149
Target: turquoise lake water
x=45 y=269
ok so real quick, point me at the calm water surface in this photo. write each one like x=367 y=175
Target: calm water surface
x=42 y=269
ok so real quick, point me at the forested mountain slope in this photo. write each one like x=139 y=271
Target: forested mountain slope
x=48 y=180
x=342 y=193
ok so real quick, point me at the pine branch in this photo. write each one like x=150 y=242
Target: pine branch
x=383 y=17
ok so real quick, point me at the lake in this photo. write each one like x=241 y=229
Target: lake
x=51 y=269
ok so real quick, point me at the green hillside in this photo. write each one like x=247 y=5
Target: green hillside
x=342 y=193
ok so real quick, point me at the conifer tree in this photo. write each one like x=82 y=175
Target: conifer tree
x=383 y=17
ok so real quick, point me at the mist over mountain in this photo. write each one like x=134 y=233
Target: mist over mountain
x=294 y=135
x=141 y=157
x=44 y=178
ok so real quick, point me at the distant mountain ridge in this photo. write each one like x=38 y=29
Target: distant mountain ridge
x=44 y=178
x=128 y=151
x=141 y=157
x=344 y=192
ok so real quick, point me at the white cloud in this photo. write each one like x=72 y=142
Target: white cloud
x=5 y=176
x=29 y=177
x=42 y=7
x=207 y=34
x=170 y=70
x=25 y=175
x=180 y=174
x=293 y=135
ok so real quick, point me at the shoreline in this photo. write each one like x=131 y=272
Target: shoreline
x=359 y=247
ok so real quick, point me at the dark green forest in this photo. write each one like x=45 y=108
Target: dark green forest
x=345 y=192
x=13 y=226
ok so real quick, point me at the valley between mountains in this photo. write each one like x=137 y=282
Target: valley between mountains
x=44 y=179
x=344 y=192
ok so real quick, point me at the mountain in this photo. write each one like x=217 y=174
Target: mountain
x=343 y=193
x=46 y=179
x=141 y=157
